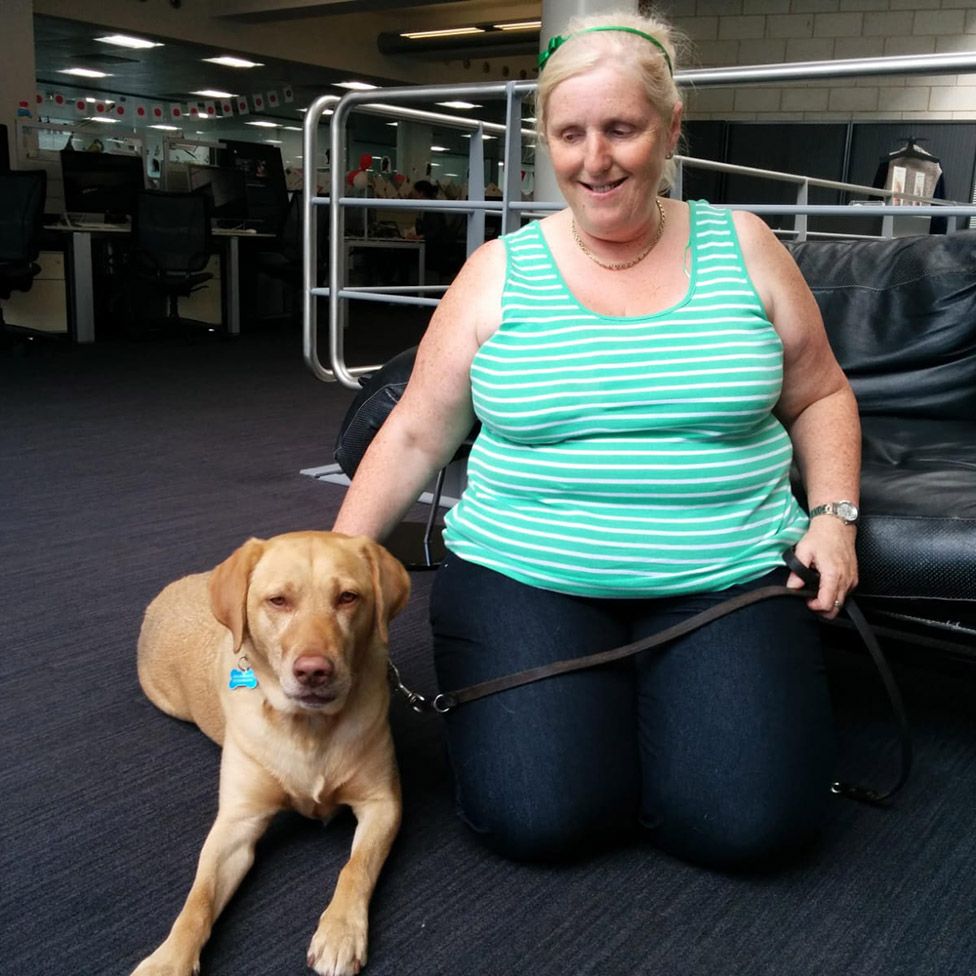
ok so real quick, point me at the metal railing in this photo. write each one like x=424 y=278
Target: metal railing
x=512 y=209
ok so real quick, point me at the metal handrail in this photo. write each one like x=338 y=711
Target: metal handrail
x=512 y=208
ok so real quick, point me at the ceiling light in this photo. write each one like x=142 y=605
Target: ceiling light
x=274 y=142
x=394 y=124
x=104 y=101
x=213 y=93
x=84 y=73
x=354 y=85
x=126 y=40
x=447 y=32
x=292 y=128
x=165 y=128
x=519 y=25
x=231 y=62
x=459 y=105
x=264 y=125
x=102 y=118
x=438 y=149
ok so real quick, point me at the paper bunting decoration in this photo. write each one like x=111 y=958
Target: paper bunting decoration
x=81 y=106
x=242 y=106
x=141 y=112
x=210 y=110
x=272 y=99
x=287 y=94
x=226 y=107
x=258 y=101
x=176 y=112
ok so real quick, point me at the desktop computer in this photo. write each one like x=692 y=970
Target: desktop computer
x=101 y=186
x=225 y=188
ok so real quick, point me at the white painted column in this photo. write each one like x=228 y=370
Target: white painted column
x=555 y=15
x=413 y=149
x=17 y=71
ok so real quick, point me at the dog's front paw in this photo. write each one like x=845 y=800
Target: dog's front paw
x=338 y=947
x=161 y=963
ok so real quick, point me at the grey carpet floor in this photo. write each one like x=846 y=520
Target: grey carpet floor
x=125 y=465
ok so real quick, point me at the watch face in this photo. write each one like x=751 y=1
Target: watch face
x=847 y=511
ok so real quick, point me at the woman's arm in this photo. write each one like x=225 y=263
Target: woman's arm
x=434 y=415
x=816 y=406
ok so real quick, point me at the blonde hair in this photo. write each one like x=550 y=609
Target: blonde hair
x=585 y=49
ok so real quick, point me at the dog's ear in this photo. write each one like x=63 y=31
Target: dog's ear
x=228 y=588
x=391 y=586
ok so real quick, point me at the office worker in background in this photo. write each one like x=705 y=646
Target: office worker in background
x=644 y=370
x=441 y=233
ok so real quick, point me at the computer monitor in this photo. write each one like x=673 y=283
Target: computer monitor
x=103 y=184
x=224 y=186
x=264 y=181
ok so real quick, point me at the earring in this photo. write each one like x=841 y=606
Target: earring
x=669 y=155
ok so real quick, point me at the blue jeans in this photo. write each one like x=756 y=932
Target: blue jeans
x=720 y=745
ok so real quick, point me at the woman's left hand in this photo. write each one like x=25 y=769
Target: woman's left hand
x=828 y=547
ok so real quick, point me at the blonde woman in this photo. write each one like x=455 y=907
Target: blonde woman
x=645 y=372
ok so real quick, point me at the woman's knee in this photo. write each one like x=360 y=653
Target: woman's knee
x=550 y=831
x=745 y=835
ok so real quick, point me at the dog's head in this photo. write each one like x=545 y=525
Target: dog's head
x=309 y=609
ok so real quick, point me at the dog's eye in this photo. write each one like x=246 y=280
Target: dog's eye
x=278 y=601
x=346 y=597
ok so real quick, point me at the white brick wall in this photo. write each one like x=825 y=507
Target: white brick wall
x=740 y=32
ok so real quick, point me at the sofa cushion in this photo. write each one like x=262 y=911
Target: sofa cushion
x=901 y=317
x=917 y=537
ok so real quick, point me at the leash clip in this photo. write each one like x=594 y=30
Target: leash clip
x=442 y=704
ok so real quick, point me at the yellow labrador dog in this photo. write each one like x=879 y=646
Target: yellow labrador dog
x=280 y=656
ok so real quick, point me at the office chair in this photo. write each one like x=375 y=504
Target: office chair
x=22 y=196
x=171 y=244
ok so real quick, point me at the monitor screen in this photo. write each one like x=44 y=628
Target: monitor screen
x=101 y=183
x=264 y=181
x=224 y=186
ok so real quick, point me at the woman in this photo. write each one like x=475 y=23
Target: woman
x=645 y=371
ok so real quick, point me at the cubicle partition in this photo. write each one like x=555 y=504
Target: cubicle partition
x=801 y=197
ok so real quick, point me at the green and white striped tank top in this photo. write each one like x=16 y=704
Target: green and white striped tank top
x=629 y=456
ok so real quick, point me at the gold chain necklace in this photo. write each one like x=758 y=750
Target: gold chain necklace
x=623 y=265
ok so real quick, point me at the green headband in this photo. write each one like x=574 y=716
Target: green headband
x=556 y=42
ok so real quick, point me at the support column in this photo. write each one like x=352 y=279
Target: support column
x=17 y=71
x=555 y=14
x=413 y=149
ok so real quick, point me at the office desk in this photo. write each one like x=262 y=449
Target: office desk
x=388 y=244
x=81 y=321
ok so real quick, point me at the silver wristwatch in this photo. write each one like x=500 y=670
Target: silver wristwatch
x=845 y=510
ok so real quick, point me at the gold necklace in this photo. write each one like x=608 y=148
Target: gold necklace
x=623 y=265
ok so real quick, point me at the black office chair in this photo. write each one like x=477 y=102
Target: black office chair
x=22 y=196
x=171 y=244
x=418 y=545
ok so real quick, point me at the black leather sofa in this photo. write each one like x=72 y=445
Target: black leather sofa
x=901 y=317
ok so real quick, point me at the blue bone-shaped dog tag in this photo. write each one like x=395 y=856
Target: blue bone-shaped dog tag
x=243 y=678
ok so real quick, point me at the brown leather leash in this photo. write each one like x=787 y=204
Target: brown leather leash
x=446 y=702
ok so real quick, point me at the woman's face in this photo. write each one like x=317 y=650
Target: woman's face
x=607 y=145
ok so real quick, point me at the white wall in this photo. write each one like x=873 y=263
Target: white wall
x=742 y=32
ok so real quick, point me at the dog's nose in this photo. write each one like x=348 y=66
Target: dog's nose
x=313 y=671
